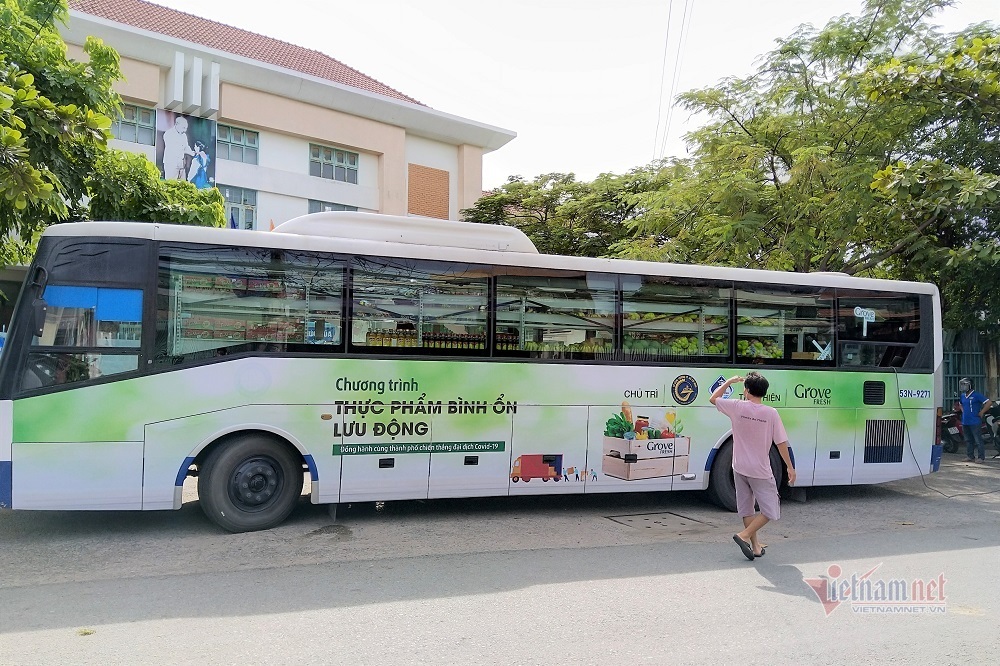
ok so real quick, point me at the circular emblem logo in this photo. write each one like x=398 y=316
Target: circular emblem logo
x=684 y=389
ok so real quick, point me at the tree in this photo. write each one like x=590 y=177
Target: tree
x=564 y=216
x=127 y=186
x=55 y=115
x=799 y=167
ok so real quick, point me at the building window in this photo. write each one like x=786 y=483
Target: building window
x=135 y=125
x=237 y=144
x=333 y=164
x=241 y=207
x=326 y=206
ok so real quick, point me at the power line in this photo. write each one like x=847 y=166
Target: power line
x=678 y=60
x=663 y=71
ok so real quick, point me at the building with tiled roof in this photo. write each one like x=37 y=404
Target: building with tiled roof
x=282 y=130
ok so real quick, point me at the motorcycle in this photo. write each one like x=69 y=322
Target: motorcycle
x=952 y=438
x=951 y=430
x=991 y=427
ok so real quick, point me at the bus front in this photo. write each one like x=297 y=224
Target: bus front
x=77 y=324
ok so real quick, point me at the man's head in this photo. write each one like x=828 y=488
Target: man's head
x=755 y=384
x=181 y=124
x=964 y=385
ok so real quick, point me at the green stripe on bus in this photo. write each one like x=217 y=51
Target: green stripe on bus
x=416 y=447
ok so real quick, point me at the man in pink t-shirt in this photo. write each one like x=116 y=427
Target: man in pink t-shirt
x=755 y=427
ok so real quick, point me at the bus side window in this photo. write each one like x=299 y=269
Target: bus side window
x=215 y=302
x=668 y=319
x=102 y=325
x=792 y=326
x=557 y=315
x=400 y=306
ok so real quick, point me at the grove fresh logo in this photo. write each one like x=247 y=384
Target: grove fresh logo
x=684 y=389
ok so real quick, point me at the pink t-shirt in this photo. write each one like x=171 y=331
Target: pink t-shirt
x=755 y=427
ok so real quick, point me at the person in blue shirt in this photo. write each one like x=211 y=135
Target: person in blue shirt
x=974 y=405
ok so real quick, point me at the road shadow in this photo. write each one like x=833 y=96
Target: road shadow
x=294 y=567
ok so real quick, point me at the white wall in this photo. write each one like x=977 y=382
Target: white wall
x=436 y=155
x=129 y=147
x=278 y=208
x=284 y=152
x=267 y=179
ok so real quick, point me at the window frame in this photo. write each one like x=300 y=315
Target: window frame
x=317 y=157
x=294 y=260
x=242 y=143
x=920 y=358
x=50 y=252
x=136 y=123
x=320 y=207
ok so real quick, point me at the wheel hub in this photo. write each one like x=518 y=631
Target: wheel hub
x=255 y=483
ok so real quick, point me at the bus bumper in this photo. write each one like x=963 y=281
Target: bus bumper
x=936 y=451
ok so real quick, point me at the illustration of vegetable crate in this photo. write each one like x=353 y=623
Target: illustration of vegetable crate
x=634 y=451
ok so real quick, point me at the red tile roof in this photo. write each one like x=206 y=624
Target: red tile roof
x=181 y=25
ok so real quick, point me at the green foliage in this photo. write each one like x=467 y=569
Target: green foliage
x=55 y=120
x=127 y=186
x=869 y=146
x=55 y=114
x=563 y=216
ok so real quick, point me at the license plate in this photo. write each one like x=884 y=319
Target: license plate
x=953 y=431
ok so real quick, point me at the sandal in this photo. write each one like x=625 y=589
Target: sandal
x=744 y=546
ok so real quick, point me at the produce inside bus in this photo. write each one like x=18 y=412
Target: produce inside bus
x=381 y=358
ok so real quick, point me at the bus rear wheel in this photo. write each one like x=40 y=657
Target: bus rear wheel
x=722 y=487
x=252 y=482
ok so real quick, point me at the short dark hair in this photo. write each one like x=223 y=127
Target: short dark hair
x=755 y=384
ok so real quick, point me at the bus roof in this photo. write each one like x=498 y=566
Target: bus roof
x=409 y=230
x=295 y=238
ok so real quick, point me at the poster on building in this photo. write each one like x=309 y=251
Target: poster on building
x=185 y=148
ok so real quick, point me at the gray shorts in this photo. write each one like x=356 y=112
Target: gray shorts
x=763 y=491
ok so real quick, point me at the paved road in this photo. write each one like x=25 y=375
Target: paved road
x=640 y=578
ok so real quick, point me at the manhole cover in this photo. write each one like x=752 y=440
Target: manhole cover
x=659 y=521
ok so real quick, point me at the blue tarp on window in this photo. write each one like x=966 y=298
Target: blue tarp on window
x=108 y=304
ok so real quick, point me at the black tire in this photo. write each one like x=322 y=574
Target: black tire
x=251 y=482
x=950 y=444
x=722 y=488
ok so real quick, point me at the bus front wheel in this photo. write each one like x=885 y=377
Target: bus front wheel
x=252 y=482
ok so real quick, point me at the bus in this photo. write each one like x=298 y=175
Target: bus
x=359 y=357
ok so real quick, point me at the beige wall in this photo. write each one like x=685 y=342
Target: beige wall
x=470 y=176
x=141 y=83
x=244 y=106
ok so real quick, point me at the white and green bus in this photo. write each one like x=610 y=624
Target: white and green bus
x=390 y=358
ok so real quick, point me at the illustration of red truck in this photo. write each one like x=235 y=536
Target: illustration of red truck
x=542 y=466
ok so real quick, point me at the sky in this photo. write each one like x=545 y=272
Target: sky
x=585 y=84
